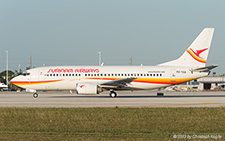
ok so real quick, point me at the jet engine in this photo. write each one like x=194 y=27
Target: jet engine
x=88 y=89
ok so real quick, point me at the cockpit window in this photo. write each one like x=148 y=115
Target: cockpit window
x=25 y=73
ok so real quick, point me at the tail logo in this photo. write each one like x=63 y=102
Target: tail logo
x=195 y=54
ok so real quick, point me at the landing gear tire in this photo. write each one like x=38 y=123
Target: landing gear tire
x=113 y=94
x=160 y=94
x=35 y=95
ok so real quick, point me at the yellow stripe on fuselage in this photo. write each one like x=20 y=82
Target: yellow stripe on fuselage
x=138 y=80
x=23 y=83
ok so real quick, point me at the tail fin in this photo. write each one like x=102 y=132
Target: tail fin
x=197 y=53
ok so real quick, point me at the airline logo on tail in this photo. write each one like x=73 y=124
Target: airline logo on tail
x=195 y=54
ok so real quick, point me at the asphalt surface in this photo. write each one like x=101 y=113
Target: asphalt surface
x=124 y=99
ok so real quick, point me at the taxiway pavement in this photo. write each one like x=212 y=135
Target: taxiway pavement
x=124 y=99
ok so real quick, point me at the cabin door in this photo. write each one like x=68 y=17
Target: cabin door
x=40 y=75
x=173 y=76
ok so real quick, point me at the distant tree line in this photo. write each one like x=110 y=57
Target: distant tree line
x=11 y=75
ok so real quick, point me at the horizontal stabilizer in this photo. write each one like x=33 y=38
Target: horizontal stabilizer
x=205 y=69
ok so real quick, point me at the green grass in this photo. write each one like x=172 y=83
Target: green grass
x=109 y=123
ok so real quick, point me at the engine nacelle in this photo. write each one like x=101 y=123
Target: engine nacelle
x=88 y=89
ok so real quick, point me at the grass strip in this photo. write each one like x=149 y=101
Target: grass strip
x=109 y=123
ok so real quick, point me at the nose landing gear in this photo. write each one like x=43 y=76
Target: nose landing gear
x=35 y=95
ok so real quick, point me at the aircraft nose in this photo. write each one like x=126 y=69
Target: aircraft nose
x=13 y=81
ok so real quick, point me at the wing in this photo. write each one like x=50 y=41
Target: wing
x=120 y=83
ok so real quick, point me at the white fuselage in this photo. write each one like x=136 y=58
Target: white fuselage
x=66 y=77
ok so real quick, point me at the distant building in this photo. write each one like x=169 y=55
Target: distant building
x=205 y=83
x=212 y=83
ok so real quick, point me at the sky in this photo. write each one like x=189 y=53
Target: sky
x=72 y=32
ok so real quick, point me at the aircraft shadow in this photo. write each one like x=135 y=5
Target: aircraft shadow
x=141 y=96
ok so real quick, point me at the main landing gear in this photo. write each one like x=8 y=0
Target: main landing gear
x=160 y=94
x=112 y=94
x=35 y=95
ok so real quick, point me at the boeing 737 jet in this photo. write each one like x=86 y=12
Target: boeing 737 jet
x=92 y=80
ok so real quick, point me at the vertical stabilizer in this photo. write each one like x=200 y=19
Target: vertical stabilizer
x=197 y=53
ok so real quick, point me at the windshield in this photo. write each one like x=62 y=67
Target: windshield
x=25 y=73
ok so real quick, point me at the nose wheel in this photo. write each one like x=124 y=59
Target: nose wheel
x=113 y=94
x=35 y=95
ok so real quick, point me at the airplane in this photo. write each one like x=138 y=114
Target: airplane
x=92 y=80
x=3 y=86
